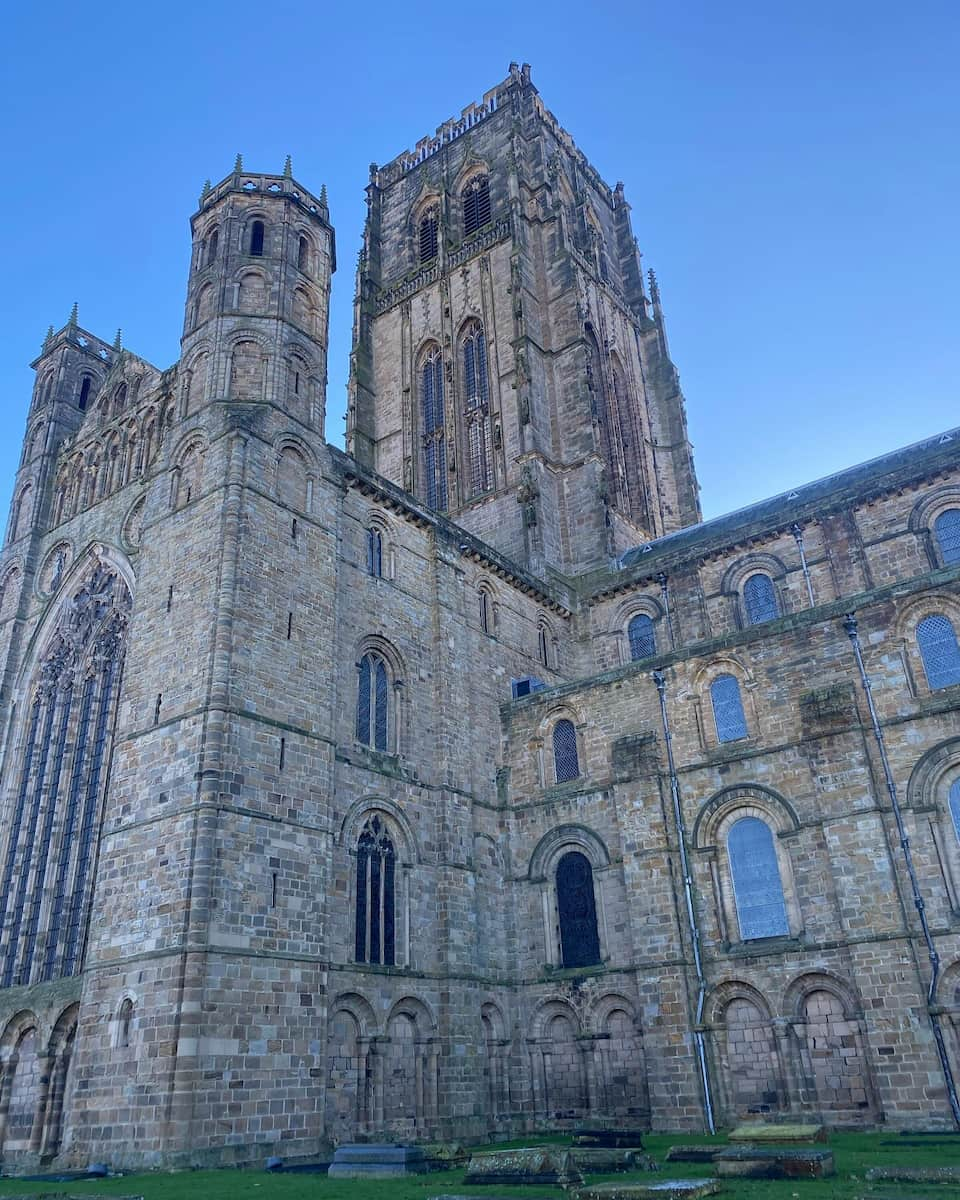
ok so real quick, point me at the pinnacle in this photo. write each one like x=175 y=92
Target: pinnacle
x=49 y=338
x=74 y=315
x=118 y=341
x=288 y=168
x=238 y=164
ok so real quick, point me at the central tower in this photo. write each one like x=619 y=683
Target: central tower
x=508 y=367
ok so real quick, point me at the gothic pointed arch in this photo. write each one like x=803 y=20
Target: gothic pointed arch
x=57 y=774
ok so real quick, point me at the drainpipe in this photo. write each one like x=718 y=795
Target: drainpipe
x=798 y=538
x=850 y=625
x=661 y=685
x=665 y=598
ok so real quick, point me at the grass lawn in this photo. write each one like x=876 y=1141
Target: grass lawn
x=854 y=1153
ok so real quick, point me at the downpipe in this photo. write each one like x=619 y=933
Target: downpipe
x=850 y=626
x=661 y=685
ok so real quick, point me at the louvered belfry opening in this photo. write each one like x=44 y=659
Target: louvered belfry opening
x=47 y=869
x=428 y=236
x=476 y=205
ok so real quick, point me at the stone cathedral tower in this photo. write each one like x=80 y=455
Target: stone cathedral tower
x=335 y=797
x=509 y=368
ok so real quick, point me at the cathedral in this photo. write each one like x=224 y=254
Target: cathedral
x=464 y=784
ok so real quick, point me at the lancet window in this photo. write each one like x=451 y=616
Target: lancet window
x=375 y=924
x=433 y=430
x=476 y=409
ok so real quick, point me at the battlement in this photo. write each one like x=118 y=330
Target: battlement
x=250 y=183
x=473 y=115
x=82 y=339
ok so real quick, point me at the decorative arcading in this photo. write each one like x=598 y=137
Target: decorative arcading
x=390 y=297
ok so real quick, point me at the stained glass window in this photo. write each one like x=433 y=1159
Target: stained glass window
x=376 y=903
x=728 y=712
x=759 y=599
x=373 y=702
x=955 y=806
x=947 y=530
x=433 y=430
x=577 y=910
x=937 y=641
x=757 y=888
x=643 y=641
x=476 y=409
x=54 y=825
x=565 y=751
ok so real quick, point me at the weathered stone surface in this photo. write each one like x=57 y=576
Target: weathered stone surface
x=532 y=1165
x=369 y=1161
x=611 y=1138
x=768 y=1162
x=660 y=1189
x=598 y=1160
x=759 y=1133
x=692 y=1153
x=908 y=1174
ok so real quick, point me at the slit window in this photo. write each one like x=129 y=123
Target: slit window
x=84 y=400
x=374 y=552
x=303 y=255
x=256 y=239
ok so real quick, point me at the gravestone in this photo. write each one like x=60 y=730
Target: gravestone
x=914 y=1175
x=659 y=1189
x=596 y=1160
x=693 y=1153
x=536 y=1165
x=609 y=1139
x=366 y=1161
x=759 y=1133
x=773 y=1162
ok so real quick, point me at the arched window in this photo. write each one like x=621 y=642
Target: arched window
x=428 y=236
x=124 y=1023
x=303 y=255
x=543 y=644
x=643 y=640
x=256 y=239
x=759 y=599
x=84 y=400
x=937 y=641
x=213 y=242
x=476 y=409
x=577 y=911
x=120 y=398
x=565 y=759
x=373 y=702
x=728 y=712
x=955 y=806
x=376 y=895
x=374 y=552
x=757 y=887
x=485 y=608
x=947 y=530
x=434 y=434
x=476 y=205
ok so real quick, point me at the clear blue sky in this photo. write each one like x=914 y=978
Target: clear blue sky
x=793 y=171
